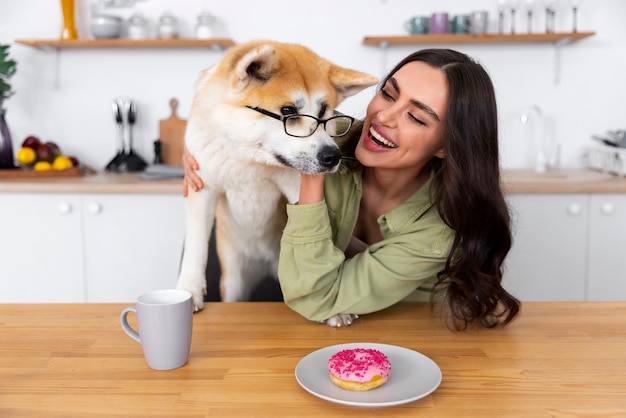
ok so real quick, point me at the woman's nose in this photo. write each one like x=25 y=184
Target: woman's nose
x=388 y=115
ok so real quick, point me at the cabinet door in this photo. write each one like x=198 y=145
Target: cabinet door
x=548 y=258
x=607 y=251
x=41 y=252
x=133 y=244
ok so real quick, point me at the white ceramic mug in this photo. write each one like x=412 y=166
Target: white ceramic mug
x=164 y=319
x=479 y=21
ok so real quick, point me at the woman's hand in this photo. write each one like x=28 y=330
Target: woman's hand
x=191 y=179
x=311 y=188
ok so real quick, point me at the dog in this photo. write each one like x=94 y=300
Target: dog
x=249 y=164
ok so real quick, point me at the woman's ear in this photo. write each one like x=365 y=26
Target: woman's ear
x=441 y=153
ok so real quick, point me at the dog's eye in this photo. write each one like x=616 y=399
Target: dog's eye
x=288 y=110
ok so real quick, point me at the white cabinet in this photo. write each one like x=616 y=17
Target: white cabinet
x=567 y=247
x=88 y=248
x=607 y=250
x=41 y=248
x=548 y=259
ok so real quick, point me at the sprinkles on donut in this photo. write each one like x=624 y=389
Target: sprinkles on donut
x=359 y=368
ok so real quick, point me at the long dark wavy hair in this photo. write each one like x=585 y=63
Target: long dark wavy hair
x=468 y=196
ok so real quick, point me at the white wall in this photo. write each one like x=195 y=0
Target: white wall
x=66 y=97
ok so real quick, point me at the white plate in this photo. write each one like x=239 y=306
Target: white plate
x=412 y=377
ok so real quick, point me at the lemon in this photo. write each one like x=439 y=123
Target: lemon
x=61 y=162
x=26 y=156
x=42 y=166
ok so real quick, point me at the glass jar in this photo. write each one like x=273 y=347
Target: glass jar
x=137 y=27
x=168 y=26
x=204 y=27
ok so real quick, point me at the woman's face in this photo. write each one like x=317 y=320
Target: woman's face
x=405 y=121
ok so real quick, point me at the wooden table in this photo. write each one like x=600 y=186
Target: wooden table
x=557 y=360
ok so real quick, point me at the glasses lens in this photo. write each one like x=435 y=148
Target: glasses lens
x=338 y=125
x=300 y=125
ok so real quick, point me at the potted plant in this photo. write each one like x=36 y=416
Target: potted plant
x=7 y=70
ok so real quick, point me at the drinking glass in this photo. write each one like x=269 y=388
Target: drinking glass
x=550 y=15
x=502 y=8
x=530 y=7
x=575 y=5
x=513 y=5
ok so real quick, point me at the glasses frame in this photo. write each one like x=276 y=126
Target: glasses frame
x=284 y=120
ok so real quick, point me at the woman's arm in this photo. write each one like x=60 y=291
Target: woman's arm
x=191 y=179
x=318 y=282
x=311 y=188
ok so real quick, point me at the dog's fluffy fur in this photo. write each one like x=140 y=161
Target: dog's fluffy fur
x=249 y=165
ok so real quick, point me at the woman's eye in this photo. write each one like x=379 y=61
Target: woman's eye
x=416 y=120
x=385 y=94
x=288 y=110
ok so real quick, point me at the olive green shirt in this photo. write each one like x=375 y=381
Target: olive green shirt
x=318 y=281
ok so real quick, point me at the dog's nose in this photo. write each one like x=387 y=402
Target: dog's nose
x=329 y=157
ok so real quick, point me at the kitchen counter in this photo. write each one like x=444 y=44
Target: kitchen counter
x=514 y=181
x=101 y=182
x=556 y=359
x=562 y=181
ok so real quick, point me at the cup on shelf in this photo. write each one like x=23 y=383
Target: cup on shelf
x=168 y=26
x=460 y=24
x=417 y=25
x=137 y=27
x=479 y=21
x=439 y=23
x=205 y=26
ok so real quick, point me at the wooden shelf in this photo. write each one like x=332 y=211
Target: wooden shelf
x=118 y=43
x=449 y=38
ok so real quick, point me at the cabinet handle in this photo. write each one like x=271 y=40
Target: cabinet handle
x=607 y=208
x=65 y=208
x=95 y=208
x=573 y=209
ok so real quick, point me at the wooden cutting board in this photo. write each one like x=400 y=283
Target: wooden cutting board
x=20 y=173
x=172 y=136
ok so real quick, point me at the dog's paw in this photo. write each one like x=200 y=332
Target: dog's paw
x=198 y=300
x=196 y=296
x=340 y=320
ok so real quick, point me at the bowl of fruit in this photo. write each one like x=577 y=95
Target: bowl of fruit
x=44 y=159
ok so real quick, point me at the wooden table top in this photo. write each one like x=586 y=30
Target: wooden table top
x=557 y=359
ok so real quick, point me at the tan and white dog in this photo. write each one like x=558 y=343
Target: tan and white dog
x=249 y=164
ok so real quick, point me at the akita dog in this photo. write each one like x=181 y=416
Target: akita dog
x=261 y=115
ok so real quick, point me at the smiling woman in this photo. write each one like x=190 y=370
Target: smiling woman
x=419 y=215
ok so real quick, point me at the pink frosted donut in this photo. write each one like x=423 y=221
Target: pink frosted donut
x=359 y=368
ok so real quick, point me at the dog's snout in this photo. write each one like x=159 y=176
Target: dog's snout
x=329 y=157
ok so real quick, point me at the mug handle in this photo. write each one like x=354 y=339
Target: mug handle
x=127 y=328
x=407 y=27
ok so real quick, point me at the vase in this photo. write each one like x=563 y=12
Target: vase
x=69 y=27
x=6 y=145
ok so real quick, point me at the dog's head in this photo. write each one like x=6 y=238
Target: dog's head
x=278 y=80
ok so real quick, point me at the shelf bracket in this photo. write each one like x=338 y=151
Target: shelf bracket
x=57 y=69
x=557 y=58
x=384 y=53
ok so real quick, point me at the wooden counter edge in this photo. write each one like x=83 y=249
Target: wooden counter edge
x=513 y=182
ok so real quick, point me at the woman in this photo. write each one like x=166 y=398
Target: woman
x=418 y=214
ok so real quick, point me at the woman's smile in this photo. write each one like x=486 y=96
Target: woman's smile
x=377 y=142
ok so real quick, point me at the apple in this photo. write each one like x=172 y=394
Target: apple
x=74 y=160
x=44 y=153
x=54 y=148
x=31 y=142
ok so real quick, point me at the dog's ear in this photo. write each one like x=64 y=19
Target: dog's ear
x=258 y=64
x=350 y=82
